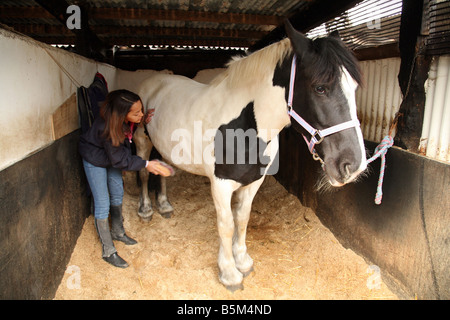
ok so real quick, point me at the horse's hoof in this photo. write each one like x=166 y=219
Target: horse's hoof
x=235 y=287
x=247 y=273
x=166 y=215
x=165 y=209
x=233 y=277
x=147 y=219
x=146 y=216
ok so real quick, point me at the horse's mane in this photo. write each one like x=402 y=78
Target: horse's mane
x=244 y=71
x=324 y=66
x=331 y=54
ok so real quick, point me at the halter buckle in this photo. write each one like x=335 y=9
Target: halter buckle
x=317 y=134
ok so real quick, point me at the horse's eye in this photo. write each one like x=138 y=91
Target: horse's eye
x=320 y=90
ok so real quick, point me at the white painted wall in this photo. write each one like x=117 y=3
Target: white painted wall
x=32 y=87
x=435 y=140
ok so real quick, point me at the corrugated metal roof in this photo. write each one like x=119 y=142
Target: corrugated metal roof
x=159 y=21
x=212 y=23
x=370 y=23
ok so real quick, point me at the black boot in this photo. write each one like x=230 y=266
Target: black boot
x=109 y=252
x=117 y=229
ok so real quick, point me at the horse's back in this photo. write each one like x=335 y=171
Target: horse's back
x=159 y=89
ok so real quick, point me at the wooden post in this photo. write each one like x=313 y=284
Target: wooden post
x=414 y=69
x=87 y=42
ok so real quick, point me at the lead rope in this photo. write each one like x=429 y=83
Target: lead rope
x=380 y=151
x=67 y=73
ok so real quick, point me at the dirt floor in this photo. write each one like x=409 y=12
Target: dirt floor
x=295 y=256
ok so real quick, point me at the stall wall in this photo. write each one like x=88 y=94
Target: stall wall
x=379 y=98
x=406 y=237
x=435 y=139
x=34 y=86
x=42 y=186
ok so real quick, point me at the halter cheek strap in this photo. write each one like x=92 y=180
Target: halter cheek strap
x=317 y=136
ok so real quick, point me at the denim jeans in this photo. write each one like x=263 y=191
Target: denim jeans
x=106 y=187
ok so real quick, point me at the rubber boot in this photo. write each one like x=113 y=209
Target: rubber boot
x=117 y=229
x=109 y=252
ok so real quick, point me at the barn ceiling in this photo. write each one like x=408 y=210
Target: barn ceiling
x=192 y=23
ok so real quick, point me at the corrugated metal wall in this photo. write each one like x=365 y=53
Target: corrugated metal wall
x=379 y=99
x=436 y=126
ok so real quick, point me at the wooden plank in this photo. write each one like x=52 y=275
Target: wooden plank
x=183 y=15
x=65 y=118
x=178 y=32
x=221 y=42
x=149 y=14
x=25 y=13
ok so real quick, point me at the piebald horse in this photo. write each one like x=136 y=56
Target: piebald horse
x=227 y=130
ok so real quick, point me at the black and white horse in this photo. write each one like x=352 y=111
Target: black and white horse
x=228 y=130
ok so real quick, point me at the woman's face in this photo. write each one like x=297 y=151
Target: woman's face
x=135 y=114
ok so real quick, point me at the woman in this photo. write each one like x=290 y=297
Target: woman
x=106 y=151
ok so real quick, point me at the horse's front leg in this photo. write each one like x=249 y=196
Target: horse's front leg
x=143 y=148
x=164 y=207
x=229 y=275
x=245 y=196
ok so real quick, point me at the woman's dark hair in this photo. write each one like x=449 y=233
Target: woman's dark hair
x=114 y=111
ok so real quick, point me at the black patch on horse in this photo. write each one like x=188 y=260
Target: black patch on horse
x=239 y=151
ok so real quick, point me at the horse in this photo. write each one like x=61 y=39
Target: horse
x=227 y=130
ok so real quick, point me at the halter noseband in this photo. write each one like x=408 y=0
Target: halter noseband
x=317 y=136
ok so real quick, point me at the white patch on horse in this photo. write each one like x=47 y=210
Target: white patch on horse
x=349 y=85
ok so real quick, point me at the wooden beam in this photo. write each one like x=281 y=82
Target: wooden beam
x=178 y=32
x=183 y=15
x=158 y=41
x=414 y=68
x=54 y=39
x=42 y=29
x=149 y=40
x=379 y=52
x=25 y=13
x=149 y=14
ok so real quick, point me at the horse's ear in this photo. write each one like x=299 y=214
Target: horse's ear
x=299 y=41
x=335 y=34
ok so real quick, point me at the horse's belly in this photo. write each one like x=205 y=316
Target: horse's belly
x=182 y=147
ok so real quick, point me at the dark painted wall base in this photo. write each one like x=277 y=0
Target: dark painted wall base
x=407 y=236
x=43 y=208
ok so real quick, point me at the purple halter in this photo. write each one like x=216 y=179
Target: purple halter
x=317 y=136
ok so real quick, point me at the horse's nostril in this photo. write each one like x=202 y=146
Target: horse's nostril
x=346 y=170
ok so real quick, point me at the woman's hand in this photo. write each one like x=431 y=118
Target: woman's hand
x=148 y=115
x=156 y=168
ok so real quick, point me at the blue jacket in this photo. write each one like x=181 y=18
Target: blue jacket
x=101 y=153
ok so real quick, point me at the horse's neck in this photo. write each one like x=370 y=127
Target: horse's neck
x=271 y=110
x=270 y=101
x=250 y=80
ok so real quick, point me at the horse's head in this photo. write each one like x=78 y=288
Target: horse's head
x=323 y=96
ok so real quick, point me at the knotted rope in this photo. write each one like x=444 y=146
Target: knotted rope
x=380 y=151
